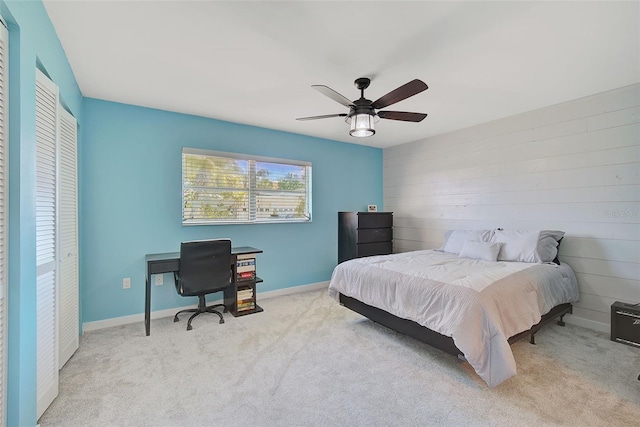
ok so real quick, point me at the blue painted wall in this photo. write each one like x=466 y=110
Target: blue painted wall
x=130 y=202
x=129 y=166
x=32 y=42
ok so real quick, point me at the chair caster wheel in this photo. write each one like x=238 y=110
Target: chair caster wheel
x=189 y=328
x=221 y=321
x=175 y=319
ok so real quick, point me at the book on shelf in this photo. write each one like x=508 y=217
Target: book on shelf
x=246 y=306
x=246 y=275
x=242 y=292
x=244 y=265
x=244 y=302
x=244 y=295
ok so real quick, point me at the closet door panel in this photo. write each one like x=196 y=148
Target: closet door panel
x=46 y=260
x=68 y=237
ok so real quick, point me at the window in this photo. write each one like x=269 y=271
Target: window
x=229 y=188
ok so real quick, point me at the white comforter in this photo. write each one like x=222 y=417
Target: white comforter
x=480 y=304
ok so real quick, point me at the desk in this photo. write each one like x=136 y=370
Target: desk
x=170 y=262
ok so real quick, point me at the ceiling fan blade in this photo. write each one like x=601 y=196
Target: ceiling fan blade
x=402 y=116
x=403 y=92
x=326 y=116
x=327 y=91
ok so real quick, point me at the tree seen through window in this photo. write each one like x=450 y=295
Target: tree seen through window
x=232 y=189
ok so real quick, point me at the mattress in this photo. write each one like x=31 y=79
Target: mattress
x=480 y=304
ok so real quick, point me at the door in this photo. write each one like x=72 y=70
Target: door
x=57 y=285
x=69 y=312
x=46 y=260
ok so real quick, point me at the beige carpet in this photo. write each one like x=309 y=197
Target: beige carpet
x=307 y=361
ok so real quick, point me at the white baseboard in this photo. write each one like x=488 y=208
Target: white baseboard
x=294 y=290
x=586 y=323
x=158 y=314
x=124 y=320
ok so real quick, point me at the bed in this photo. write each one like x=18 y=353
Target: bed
x=472 y=303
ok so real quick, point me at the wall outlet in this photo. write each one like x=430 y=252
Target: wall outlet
x=126 y=283
x=159 y=279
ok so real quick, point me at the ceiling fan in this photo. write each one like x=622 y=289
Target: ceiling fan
x=362 y=112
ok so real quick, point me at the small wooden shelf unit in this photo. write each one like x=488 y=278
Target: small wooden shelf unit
x=240 y=298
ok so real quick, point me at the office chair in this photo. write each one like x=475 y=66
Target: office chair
x=205 y=268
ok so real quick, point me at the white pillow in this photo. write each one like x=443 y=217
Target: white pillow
x=454 y=239
x=528 y=246
x=480 y=250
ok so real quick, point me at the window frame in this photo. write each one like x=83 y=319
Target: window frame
x=251 y=189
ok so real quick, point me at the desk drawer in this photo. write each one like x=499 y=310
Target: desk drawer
x=165 y=266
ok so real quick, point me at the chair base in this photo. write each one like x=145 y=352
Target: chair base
x=202 y=308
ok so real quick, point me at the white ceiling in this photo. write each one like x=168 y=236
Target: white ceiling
x=254 y=62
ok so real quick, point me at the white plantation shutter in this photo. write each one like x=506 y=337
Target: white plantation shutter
x=46 y=178
x=68 y=238
x=4 y=208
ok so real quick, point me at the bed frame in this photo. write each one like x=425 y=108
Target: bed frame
x=435 y=339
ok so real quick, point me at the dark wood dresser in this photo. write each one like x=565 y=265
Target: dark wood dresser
x=363 y=234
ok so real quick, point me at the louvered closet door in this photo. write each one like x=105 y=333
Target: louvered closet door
x=68 y=238
x=46 y=170
x=4 y=207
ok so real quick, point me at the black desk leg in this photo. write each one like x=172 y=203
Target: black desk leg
x=147 y=304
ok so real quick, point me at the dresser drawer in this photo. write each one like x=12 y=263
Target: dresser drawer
x=369 y=249
x=371 y=235
x=375 y=220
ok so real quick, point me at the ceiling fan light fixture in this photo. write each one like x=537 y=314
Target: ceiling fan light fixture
x=362 y=112
x=362 y=126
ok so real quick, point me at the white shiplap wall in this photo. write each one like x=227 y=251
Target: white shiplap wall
x=574 y=167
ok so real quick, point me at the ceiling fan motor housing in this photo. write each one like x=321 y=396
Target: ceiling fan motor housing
x=360 y=106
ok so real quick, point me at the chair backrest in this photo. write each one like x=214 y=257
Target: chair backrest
x=205 y=266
